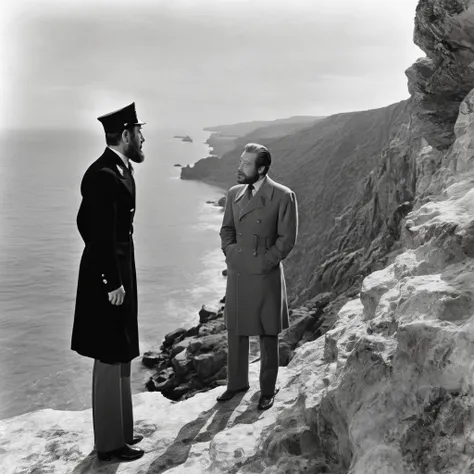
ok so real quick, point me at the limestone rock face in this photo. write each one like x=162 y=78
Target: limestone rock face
x=444 y=30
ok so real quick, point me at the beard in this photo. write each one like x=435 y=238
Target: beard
x=134 y=152
x=242 y=178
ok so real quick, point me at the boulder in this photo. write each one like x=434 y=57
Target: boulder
x=207 y=313
x=181 y=345
x=209 y=363
x=172 y=336
x=181 y=363
x=151 y=359
x=213 y=342
x=192 y=331
x=213 y=327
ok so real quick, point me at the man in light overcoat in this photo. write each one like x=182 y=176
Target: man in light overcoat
x=105 y=318
x=258 y=232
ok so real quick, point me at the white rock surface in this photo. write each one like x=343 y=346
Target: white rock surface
x=199 y=435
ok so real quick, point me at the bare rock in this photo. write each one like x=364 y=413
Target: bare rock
x=191 y=360
x=320 y=301
x=290 y=337
x=193 y=331
x=181 y=363
x=181 y=345
x=330 y=349
x=164 y=380
x=171 y=337
x=213 y=342
x=207 y=314
x=209 y=363
x=439 y=82
x=151 y=359
x=213 y=327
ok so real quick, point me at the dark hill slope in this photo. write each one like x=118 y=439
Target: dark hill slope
x=226 y=137
x=328 y=166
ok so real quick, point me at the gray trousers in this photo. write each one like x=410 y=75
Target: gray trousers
x=112 y=409
x=238 y=363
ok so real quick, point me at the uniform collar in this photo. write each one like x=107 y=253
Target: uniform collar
x=121 y=155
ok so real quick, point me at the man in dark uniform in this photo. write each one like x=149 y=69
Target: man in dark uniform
x=105 y=319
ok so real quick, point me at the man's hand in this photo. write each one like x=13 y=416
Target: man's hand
x=117 y=296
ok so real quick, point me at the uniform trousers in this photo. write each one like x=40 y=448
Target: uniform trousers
x=238 y=363
x=112 y=409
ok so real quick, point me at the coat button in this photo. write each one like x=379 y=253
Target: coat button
x=131 y=210
x=105 y=281
x=238 y=274
x=239 y=250
x=240 y=234
x=259 y=221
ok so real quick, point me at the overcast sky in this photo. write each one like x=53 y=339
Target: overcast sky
x=201 y=62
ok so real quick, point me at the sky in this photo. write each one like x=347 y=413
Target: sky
x=197 y=63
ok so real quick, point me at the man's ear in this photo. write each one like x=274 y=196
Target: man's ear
x=126 y=136
x=261 y=170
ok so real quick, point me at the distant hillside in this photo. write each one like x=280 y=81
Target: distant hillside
x=280 y=128
x=243 y=128
x=225 y=137
x=327 y=164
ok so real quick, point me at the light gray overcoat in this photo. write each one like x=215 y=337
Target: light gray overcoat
x=256 y=236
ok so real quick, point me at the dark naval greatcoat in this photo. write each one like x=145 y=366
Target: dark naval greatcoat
x=105 y=221
x=256 y=236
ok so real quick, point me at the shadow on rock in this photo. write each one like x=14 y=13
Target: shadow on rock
x=91 y=464
x=252 y=414
x=177 y=453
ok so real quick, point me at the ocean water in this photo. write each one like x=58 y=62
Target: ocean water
x=179 y=261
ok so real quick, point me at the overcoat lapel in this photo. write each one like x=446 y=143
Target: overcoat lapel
x=259 y=200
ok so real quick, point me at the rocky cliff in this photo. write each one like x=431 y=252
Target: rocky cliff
x=332 y=167
x=388 y=389
x=225 y=137
x=231 y=137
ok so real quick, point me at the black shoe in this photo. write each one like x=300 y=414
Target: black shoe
x=266 y=401
x=229 y=394
x=125 y=453
x=136 y=439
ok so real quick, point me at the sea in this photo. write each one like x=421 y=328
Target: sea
x=178 y=257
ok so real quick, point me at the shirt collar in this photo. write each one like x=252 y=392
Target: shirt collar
x=121 y=155
x=257 y=185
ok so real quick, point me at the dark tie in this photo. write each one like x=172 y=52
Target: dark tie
x=250 y=188
x=247 y=196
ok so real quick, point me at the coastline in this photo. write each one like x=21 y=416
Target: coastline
x=182 y=256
